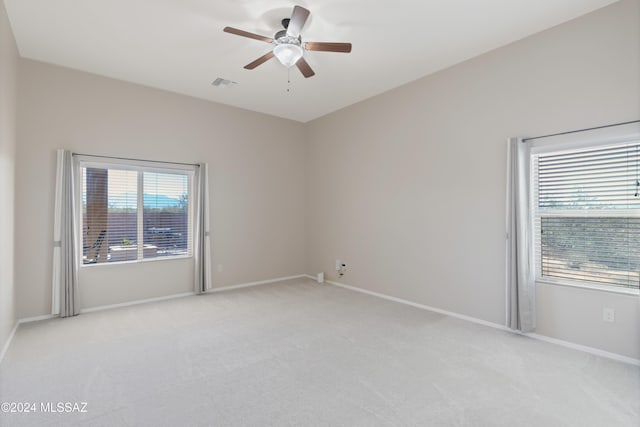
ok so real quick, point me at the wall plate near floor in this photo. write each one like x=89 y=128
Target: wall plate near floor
x=608 y=315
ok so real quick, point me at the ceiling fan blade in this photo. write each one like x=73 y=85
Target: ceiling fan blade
x=328 y=47
x=264 y=58
x=297 y=21
x=304 y=68
x=238 y=32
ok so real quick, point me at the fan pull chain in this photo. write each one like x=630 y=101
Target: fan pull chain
x=288 y=80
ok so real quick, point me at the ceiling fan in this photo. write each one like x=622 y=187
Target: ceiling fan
x=288 y=45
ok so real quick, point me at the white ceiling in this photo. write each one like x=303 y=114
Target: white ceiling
x=179 y=45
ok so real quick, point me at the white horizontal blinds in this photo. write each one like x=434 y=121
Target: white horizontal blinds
x=606 y=178
x=110 y=232
x=587 y=215
x=166 y=214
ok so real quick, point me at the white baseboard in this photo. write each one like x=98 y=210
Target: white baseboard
x=422 y=306
x=136 y=302
x=567 y=344
x=8 y=342
x=163 y=298
x=37 y=318
x=586 y=349
x=247 y=285
x=15 y=328
x=186 y=294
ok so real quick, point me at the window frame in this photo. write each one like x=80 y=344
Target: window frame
x=559 y=145
x=140 y=166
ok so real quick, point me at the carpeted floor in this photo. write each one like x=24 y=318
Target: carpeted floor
x=301 y=354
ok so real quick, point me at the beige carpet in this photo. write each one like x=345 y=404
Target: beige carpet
x=302 y=354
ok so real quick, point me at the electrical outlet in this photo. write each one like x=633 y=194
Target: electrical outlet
x=608 y=315
x=341 y=267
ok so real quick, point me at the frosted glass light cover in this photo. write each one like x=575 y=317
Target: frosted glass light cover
x=288 y=54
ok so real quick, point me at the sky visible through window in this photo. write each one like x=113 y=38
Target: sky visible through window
x=161 y=190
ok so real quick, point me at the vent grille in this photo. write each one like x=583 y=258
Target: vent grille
x=223 y=83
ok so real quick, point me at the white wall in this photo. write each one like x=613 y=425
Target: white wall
x=408 y=188
x=8 y=64
x=256 y=181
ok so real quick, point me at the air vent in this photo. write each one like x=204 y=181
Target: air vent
x=222 y=83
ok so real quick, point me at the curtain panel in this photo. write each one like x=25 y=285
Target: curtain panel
x=202 y=238
x=65 y=296
x=521 y=297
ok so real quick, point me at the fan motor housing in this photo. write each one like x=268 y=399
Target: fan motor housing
x=281 y=37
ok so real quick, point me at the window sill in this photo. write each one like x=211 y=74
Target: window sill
x=619 y=291
x=138 y=261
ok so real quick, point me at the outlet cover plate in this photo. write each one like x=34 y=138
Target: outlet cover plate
x=608 y=315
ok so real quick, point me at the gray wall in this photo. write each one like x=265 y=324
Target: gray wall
x=256 y=181
x=408 y=188
x=8 y=61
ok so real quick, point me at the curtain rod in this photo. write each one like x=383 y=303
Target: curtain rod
x=580 y=130
x=136 y=160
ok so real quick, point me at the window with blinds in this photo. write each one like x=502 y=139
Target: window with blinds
x=587 y=216
x=133 y=213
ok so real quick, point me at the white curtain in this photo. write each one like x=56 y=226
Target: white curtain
x=521 y=301
x=65 y=298
x=202 y=240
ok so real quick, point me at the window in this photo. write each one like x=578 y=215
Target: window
x=133 y=212
x=587 y=215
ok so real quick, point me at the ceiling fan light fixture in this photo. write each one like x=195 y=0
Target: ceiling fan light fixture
x=288 y=53
x=287 y=43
